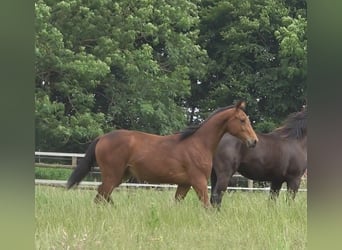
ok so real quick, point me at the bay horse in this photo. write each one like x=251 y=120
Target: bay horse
x=280 y=156
x=184 y=158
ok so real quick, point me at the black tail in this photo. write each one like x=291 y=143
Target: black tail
x=84 y=167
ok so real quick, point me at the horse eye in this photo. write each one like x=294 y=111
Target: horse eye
x=243 y=120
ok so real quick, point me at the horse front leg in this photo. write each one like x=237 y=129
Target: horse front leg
x=213 y=182
x=201 y=188
x=219 y=190
x=219 y=182
x=275 y=188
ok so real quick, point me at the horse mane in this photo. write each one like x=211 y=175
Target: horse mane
x=294 y=127
x=190 y=130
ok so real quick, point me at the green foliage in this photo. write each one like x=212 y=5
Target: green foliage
x=111 y=65
x=265 y=126
x=65 y=81
x=156 y=66
x=258 y=53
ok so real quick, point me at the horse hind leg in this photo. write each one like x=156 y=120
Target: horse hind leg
x=103 y=193
x=292 y=188
x=181 y=192
x=110 y=180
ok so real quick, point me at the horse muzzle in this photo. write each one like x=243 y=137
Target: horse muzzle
x=251 y=143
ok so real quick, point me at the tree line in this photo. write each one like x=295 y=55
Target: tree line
x=159 y=65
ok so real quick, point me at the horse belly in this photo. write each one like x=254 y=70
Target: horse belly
x=158 y=172
x=256 y=172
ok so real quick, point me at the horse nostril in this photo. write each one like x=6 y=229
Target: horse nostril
x=250 y=143
x=253 y=143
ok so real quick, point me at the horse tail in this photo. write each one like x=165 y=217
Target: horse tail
x=84 y=166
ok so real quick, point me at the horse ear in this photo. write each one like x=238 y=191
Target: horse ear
x=240 y=105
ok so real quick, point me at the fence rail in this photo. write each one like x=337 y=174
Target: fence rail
x=87 y=184
x=94 y=184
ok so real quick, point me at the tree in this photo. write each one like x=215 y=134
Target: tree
x=156 y=66
x=65 y=81
x=258 y=53
x=114 y=65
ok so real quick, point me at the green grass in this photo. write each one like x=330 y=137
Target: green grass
x=150 y=219
x=59 y=174
x=52 y=173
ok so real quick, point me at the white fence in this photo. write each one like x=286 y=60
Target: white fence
x=43 y=156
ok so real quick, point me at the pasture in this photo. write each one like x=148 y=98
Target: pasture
x=151 y=219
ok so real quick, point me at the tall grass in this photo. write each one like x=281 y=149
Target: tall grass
x=52 y=173
x=150 y=219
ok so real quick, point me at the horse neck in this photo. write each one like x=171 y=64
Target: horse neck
x=211 y=132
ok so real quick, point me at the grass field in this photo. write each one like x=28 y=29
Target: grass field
x=150 y=219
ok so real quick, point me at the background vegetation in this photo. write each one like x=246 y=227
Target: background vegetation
x=150 y=219
x=158 y=65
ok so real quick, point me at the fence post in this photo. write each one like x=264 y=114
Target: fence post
x=250 y=183
x=74 y=161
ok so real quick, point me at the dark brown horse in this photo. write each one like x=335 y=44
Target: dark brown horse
x=279 y=156
x=184 y=158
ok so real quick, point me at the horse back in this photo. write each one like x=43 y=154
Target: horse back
x=131 y=141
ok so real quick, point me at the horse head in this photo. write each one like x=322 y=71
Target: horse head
x=240 y=126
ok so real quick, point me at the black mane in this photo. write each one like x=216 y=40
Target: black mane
x=294 y=127
x=193 y=128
